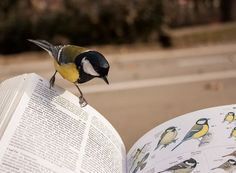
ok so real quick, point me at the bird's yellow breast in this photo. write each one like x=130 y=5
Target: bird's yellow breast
x=234 y=133
x=202 y=132
x=229 y=118
x=68 y=71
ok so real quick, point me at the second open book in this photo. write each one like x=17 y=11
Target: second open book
x=45 y=130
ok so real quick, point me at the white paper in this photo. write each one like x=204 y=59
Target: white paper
x=50 y=133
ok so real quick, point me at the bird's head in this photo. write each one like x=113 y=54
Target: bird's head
x=232 y=162
x=202 y=121
x=191 y=162
x=94 y=64
x=230 y=114
x=171 y=129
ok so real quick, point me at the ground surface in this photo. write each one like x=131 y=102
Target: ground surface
x=148 y=85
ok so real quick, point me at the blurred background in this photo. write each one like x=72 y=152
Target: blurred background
x=89 y=22
x=167 y=57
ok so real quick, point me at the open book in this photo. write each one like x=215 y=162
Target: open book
x=46 y=131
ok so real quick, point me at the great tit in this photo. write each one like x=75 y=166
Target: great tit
x=199 y=130
x=75 y=64
x=186 y=166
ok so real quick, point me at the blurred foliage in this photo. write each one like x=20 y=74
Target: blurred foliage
x=80 y=22
x=85 y=22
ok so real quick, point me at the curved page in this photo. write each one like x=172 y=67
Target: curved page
x=197 y=142
x=50 y=133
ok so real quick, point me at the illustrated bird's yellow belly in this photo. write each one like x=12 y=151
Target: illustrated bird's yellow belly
x=186 y=170
x=67 y=71
x=168 y=138
x=234 y=133
x=202 y=132
x=229 y=119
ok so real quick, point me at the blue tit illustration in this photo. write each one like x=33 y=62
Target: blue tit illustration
x=229 y=117
x=167 y=137
x=229 y=166
x=199 y=130
x=141 y=164
x=186 y=166
x=233 y=133
x=230 y=154
x=139 y=155
x=75 y=64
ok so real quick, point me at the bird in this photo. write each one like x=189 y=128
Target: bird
x=231 y=154
x=141 y=164
x=233 y=133
x=229 y=117
x=229 y=166
x=167 y=137
x=75 y=64
x=139 y=153
x=199 y=130
x=186 y=166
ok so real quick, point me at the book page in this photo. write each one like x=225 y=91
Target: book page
x=199 y=142
x=50 y=133
x=10 y=93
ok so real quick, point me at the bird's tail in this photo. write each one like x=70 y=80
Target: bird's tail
x=157 y=147
x=214 y=168
x=177 y=145
x=43 y=44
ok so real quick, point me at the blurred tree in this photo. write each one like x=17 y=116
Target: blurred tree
x=226 y=10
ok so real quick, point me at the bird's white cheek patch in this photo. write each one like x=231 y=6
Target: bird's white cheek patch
x=88 y=68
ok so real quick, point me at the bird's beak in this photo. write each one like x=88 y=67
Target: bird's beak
x=105 y=79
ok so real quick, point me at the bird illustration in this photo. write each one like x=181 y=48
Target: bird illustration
x=229 y=166
x=75 y=64
x=138 y=155
x=141 y=164
x=231 y=154
x=186 y=166
x=233 y=133
x=167 y=137
x=229 y=117
x=198 y=131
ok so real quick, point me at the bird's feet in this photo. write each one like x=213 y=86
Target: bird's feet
x=52 y=80
x=82 y=101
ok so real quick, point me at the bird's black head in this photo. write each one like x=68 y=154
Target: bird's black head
x=92 y=64
x=232 y=162
x=171 y=129
x=231 y=113
x=191 y=162
x=202 y=121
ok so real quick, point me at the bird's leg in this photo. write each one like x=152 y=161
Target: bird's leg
x=52 y=80
x=82 y=100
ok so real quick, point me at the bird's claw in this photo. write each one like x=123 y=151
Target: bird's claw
x=51 y=82
x=82 y=101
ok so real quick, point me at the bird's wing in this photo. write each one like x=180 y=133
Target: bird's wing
x=69 y=53
x=181 y=165
x=196 y=128
x=225 y=165
x=162 y=136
